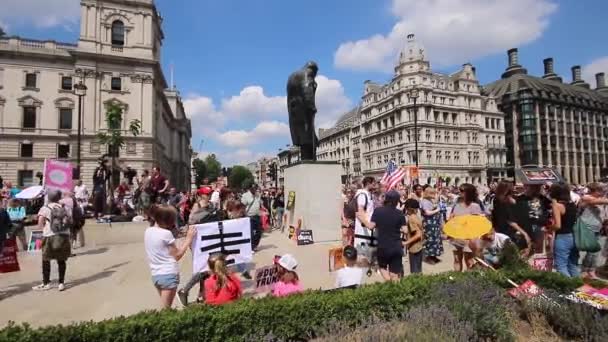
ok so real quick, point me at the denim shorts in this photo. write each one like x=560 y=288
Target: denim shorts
x=166 y=281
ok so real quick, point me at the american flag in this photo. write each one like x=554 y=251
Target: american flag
x=393 y=175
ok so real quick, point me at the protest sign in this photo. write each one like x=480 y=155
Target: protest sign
x=58 y=175
x=528 y=289
x=305 y=237
x=590 y=296
x=230 y=237
x=265 y=277
x=8 y=256
x=291 y=200
x=336 y=258
x=35 y=241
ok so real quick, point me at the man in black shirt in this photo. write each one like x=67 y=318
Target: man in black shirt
x=531 y=213
x=389 y=224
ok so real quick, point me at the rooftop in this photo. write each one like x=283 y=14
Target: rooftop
x=343 y=122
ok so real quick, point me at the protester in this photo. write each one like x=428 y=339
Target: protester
x=564 y=216
x=350 y=274
x=591 y=215
x=81 y=193
x=55 y=221
x=174 y=197
x=389 y=223
x=531 y=213
x=100 y=177
x=466 y=205
x=146 y=193
x=364 y=237
x=502 y=215
x=16 y=212
x=415 y=240
x=202 y=210
x=279 y=207
x=417 y=193
x=431 y=220
x=163 y=252
x=215 y=196
x=159 y=185
x=289 y=282
x=251 y=200
x=490 y=246
x=5 y=225
x=221 y=286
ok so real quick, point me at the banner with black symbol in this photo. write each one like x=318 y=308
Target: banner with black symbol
x=230 y=237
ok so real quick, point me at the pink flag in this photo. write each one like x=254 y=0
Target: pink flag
x=58 y=175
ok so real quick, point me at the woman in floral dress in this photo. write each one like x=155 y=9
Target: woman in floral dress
x=431 y=222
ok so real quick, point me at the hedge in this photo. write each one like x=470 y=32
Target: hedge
x=297 y=317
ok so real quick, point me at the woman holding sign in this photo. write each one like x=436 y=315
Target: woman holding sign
x=164 y=253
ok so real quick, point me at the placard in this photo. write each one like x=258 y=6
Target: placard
x=336 y=258
x=265 y=277
x=528 y=289
x=291 y=200
x=590 y=296
x=305 y=237
x=538 y=175
x=230 y=237
x=58 y=175
x=8 y=256
x=291 y=233
x=35 y=241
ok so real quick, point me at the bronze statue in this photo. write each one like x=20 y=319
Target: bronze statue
x=301 y=88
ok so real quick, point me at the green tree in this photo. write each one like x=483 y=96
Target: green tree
x=113 y=137
x=213 y=167
x=239 y=175
x=200 y=171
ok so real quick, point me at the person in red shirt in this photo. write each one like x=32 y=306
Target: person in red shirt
x=221 y=287
x=159 y=186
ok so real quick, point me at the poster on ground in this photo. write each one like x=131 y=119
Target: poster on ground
x=230 y=237
x=528 y=289
x=58 y=175
x=336 y=258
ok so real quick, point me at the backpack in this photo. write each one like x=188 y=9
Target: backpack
x=585 y=237
x=351 y=208
x=60 y=221
x=204 y=215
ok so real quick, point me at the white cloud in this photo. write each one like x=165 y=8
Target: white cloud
x=452 y=31
x=252 y=101
x=41 y=13
x=589 y=70
x=331 y=101
x=242 y=156
x=264 y=130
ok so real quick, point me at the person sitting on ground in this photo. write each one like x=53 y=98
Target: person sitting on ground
x=415 y=237
x=350 y=275
x=16 y=212
x=289 y=282
x=221 y=286
x=490 y=245
x=164 y=253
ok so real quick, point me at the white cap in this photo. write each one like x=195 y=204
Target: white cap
x=288 y=262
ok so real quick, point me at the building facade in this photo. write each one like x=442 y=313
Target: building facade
x=460 y=131
x=288 y=156
x=117 y=58
x=552 y=123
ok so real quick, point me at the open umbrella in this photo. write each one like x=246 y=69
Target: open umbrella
x=467 y=227
x=30 y=193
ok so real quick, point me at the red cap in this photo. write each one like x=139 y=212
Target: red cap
x=205 y=190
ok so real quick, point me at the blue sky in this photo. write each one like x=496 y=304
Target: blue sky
x=232 y=57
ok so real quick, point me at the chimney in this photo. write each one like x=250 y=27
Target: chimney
x=549 y=71
x=513 y=57
x=576 y=77
x=514 y=68
x=600 y=80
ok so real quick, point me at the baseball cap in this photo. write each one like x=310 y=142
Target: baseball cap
x=205 y=190
x=288 y=262
x=392 y=195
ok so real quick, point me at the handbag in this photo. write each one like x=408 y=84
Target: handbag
x=585 y=238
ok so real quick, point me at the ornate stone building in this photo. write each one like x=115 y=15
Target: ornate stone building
x=117 y=58
x=553 y=123
x=285 y=157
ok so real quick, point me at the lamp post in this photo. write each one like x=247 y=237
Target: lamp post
x=80 y=90
x=414 y=95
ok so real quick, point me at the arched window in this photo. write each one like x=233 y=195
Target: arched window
x=118 y=33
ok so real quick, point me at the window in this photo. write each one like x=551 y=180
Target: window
x=116 y=83
x=25 y=178
x=30 y=80
x=27 y=150
x=66 y=83
x=65 y=118
x=118 y=33
x=29 y=117
x=63 y=151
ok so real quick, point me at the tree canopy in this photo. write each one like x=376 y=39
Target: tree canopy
x=213 y=167
x=200 y=171
x=240 y=175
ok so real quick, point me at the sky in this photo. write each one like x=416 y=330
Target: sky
x=232 y=58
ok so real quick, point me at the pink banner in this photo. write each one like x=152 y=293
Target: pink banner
x=58 y=175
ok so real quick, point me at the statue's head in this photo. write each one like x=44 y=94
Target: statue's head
x=312 y=66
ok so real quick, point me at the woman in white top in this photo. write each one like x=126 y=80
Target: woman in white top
x=163 y=252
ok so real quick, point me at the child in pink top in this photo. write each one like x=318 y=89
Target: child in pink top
x=289 y=282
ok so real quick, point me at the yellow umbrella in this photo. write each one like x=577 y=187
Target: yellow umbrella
x=467 y=227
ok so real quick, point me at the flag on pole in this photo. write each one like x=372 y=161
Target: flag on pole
x=392 y=176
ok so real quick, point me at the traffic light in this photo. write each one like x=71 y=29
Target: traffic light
x=272 y=171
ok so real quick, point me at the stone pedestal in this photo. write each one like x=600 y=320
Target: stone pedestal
x=318 y=200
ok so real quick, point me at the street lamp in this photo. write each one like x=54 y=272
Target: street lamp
x=80 y=90
x=414 y=95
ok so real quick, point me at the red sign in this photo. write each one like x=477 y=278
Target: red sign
x=528 y=289
x=8 y=258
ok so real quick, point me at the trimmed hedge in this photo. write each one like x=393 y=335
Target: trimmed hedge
x=297 y=317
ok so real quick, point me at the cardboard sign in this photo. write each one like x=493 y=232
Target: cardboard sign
x=8 y=256
x=35 y=241
x=291 y=233
x=58 y=175
x=590 y=296
x=336 y=258
x=230 y=237
x=528 y=289
x=305 y=237
x=542 y=262
x=537 y=175
x=291 y=200
x=265 y=277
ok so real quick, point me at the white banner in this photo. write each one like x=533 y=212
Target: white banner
x=231 y=237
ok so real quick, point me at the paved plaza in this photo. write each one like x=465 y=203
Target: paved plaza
x=110 y=277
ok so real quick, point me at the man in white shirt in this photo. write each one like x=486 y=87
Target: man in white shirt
x=364 y=238
x=350 y=274
x=215 y=196
x=251 y=200
x=81 y=194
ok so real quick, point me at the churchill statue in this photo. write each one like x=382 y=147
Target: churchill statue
x=301 y=89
